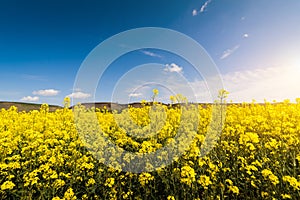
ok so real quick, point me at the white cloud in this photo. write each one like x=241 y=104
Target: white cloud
x=47 y=92
x=135 y=94
x=194 y=12
x=228 y=52
x=173 y=68
x=30 y=98
x=149 y=53
x=79 y=95
x=204 y=6
x=243 y=18
x=245 y=35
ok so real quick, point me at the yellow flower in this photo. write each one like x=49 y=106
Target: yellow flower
x=84 y=197
x=264 y=194
x=109 y=182
x=249 y=137
x=58 y=183
x=234 y=189
x=274 y=179
x=229 y=181
x=47 y=151
x=155 y=92
x=204 y=181
x=268 y=174
x=127 y=194
x=145 y=178
x=91 y=181
x=250 y=169
x=187 y=175
x=54 y=175
x=292 y=181
x=79 y=178
x=170 y=197
x=272 y=144
x=7 y=185
x=286 y=196
x=69 y=194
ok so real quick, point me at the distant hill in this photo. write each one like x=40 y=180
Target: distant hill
x=101 y=105
x=25 y=106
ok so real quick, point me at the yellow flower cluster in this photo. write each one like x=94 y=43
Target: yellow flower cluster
x=58 y=155
x=204 y=181
x=187 y=175
x=7 y=185
x=145 y=178
x=267 y=174
x=292 y=181
x=110 y=182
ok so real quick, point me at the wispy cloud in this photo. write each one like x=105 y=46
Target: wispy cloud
x=173 y=68
x=228 y=52
x=46 y=92
x=149 y=53
x=30 y=98
x=135 y=94
x=204 y=6
x=79 y=95
x=202 y=9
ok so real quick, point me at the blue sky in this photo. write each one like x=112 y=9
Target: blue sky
x=254 y=44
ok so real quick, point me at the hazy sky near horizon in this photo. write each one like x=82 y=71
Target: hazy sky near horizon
x=254 y=44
